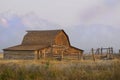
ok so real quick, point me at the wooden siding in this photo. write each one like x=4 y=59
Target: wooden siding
x=19 y=55
x=62 y=39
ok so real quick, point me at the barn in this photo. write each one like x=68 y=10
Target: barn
x=43 y=44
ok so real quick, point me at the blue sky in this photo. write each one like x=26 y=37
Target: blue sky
x=89 y=23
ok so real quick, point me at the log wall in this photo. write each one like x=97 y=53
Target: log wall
x=26 y=55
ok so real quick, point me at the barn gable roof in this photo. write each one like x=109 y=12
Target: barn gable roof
x=40 y=37
x=35 y=40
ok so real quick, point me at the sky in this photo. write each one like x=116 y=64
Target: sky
x=89 y=23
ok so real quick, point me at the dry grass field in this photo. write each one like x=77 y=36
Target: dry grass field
x=1 y=55
x=59 y=70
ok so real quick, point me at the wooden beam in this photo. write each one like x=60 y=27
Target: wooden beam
x=78 y=56
x=51 y=52
x=36 y=54
x=39 y=54
x=44 y=54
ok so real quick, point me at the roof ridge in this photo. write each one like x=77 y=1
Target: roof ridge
x=44 y=30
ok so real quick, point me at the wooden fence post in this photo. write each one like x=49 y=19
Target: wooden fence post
x=101 y=51
x=112 y=52
x=93 y=54
x=62 y=55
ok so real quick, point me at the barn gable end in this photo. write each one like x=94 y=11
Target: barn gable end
x=62 y=39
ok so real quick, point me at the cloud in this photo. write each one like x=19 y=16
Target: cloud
x=13 y=33
x=99 y=12
x=33 y=21
x=111 y=3
x=3 y=22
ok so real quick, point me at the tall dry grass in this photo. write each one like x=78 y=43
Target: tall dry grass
x=1 y=55
x=59 y=70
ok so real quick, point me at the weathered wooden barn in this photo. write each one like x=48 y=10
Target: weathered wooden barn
x=43 y=44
